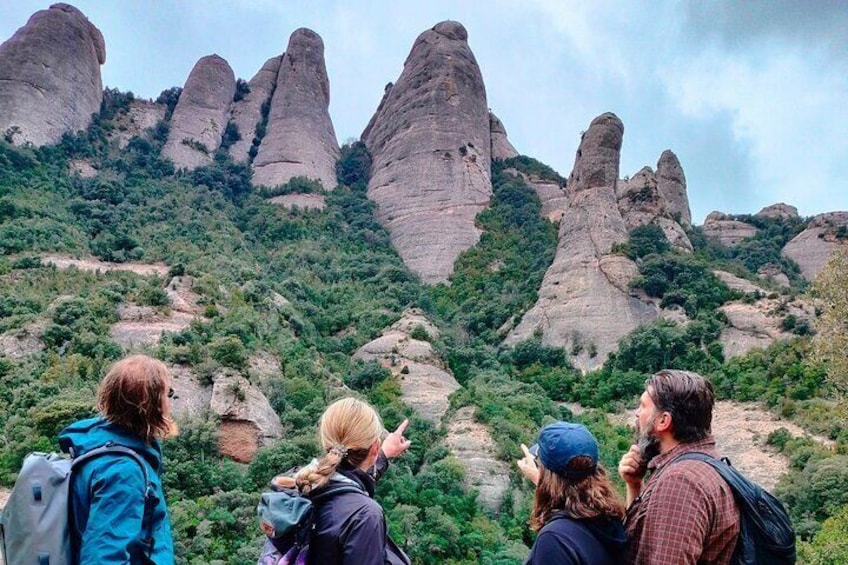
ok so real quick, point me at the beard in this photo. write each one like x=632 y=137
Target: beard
x=647 y=442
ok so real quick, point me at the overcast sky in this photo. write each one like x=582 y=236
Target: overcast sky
x=752 y=96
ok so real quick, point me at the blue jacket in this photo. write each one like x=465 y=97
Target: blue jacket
x=107 y=497
x=565 y=541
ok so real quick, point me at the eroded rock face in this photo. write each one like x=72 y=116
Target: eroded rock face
x=584 y=298
x=430 y=142
x=50 y=76
x=247 y=420
x=501 y=147
x=424 y=382
x=247 y=112
x=551 y=194
x=728 y=231
x=758 y=325
x=201 y=115
x=139 y=120
x=671 y=184
x=472 y=444
x=300 y=139
x=812 y=248
x=779 y=210
x=641 y=202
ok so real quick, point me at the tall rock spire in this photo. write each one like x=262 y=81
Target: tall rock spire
x=300 y=140
x=247 y=112
x=584 y=302
x=202 y=113
x=50 y=76
x=430 y=142
x=671 y=183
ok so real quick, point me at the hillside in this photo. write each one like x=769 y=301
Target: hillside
x=433 y=271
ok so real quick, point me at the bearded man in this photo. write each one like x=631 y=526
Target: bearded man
x=685 y=512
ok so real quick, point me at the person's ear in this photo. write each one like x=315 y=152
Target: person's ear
x=374 y=451
x=663 y=422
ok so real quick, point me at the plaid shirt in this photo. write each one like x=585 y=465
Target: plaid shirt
x=685 y=514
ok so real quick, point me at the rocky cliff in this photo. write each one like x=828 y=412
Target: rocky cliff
x=201 y=115
x=430 y=142
x=727 y=230
x=50 y=76
x=247 y=112
x=812 y=247
x=501 y=147
x=584 y=304
x=671 y=184
x=300 y=139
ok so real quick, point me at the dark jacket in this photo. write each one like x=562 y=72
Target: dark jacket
x=350 y=528
x=107 y=497
x=566 y=541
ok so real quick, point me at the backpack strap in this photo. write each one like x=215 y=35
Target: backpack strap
x=149 y=492
x=331 y=491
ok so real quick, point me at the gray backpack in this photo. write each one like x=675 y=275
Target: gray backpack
x=34 y=526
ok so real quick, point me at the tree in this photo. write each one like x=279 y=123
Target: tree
x=831 y=342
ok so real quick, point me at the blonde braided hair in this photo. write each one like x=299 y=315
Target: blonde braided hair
x=347 y=430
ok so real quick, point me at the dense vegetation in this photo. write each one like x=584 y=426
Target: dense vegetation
x=306 y=289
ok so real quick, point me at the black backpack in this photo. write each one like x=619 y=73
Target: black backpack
x=766 y=536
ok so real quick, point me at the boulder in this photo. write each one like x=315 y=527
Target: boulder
x=812 y=248
x=201 y=115
x=472 y=444
x=584 y=305
x=671 y=184
x=430 y=142
x=641 y=202
x=50 y=76
x=501 y=147
x=300 y=140
x=247 y=112
x=725 y=229
x=247 y=420
x=737 y=283
x=779 y=210
x=774 y=273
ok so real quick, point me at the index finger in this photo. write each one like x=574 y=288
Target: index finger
x=526 y=451
x=402 y=427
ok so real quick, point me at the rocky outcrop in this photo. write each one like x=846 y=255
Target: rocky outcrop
x=738 y=283
x=247 y=112
x=300 y=140
x=424 y=382
x=299 y=201
x=584 y=304
x=641 y=202
x=50 y=76
x=551 y=193
x=139 y=120
x=779 y=210
x=473 y=446
x=774 y=273
x=725 y=229
x=501 y=147
x=201 y=115
x=430 y=142
x=671 y=184
x=812 y=248
x=247 y=420
x=759 y=324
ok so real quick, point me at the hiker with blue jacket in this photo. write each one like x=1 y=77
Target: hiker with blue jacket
x=350 y=527
x=112 y=517
x=576 y=510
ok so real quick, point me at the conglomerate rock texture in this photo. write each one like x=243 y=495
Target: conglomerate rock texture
x=584 y=303
x=430 y=142
x=501 y=147
x=50 y=76
x=300 y=139
x=247 y=112
x=201 y=115
x=812 y=248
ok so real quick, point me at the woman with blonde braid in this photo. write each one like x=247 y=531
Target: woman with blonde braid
x=350 y=527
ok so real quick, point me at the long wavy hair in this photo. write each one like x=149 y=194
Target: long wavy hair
x=133 y=394
x=590 y=497
x=347 y=430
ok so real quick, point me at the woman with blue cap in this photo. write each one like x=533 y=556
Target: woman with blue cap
x=576 y=510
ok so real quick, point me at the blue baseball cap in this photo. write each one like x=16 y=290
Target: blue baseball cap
x=561 y=442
